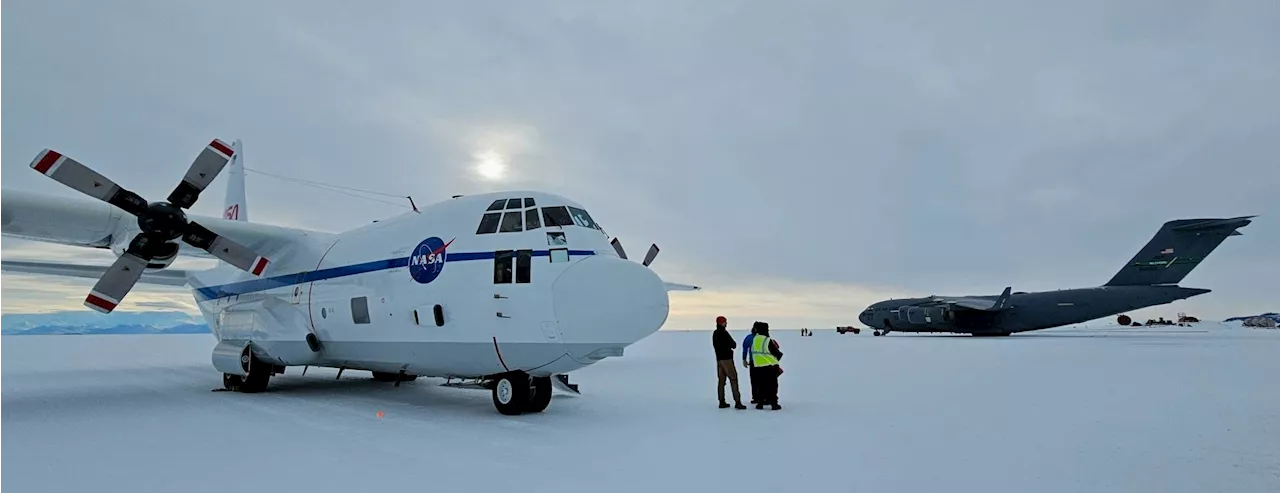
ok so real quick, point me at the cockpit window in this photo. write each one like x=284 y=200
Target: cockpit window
x=513 y=215
x=581 y=218
x=489 y=223
x=556 y=216
x=510 y=222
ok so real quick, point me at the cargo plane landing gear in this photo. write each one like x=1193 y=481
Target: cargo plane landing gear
x=517 y=392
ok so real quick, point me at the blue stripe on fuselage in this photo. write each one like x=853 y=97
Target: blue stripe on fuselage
x=268 y=283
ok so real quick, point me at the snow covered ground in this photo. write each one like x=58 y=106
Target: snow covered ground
x=1165 y=409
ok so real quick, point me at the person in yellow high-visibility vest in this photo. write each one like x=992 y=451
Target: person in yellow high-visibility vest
x=765 y=368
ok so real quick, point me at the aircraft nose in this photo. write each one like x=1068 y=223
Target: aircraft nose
x=604 y=303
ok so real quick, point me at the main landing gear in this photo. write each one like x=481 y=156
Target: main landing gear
x=260 y=373
x=516 y=393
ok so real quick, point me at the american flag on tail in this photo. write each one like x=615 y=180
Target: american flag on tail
x=1166 y=251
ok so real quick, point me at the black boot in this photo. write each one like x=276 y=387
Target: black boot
x=775 y=406
x=739 y=405
x=723 y=404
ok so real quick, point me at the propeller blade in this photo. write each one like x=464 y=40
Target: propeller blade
x=71 y=173
x=225 y=249
x=203 y=170
x=116 y=282
x=617 y=247
x=652 y=254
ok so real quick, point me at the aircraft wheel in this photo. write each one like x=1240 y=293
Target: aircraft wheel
x=511 y=393
x=539 y=395
x=255 y=381
x=876 y=333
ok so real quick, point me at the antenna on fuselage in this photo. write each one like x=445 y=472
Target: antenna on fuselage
x=413 y=205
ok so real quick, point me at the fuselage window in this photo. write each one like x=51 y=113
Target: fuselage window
x=510 y=222
x=531 y=220
x=528 y=202
x=556 y=216
x=497 y=205
x=489 y=223
x=502 y=264
x=524 y=261
x=559 y=255
x=515 y=204
x=360 y=310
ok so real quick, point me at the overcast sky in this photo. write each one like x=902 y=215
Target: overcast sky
x=800 y=160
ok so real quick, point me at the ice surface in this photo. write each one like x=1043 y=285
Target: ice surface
x=1160 y=409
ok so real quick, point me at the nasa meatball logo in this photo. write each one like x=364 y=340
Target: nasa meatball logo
x=427 y=260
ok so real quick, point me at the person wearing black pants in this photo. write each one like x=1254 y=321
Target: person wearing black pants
x=765 y=370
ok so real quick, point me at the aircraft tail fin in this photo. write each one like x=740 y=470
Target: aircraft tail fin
x=1177 y=248
x=234 y=207
x=1003 y=300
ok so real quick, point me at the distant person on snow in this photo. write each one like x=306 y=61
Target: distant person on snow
x=765 y=368
x=746 y=359
x=724 y=345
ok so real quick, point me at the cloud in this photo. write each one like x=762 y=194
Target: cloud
x=936 y=148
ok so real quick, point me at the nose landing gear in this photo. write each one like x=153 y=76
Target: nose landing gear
x=516 y=393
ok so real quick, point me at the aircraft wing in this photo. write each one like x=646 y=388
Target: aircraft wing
x=983 y=304
x=88 y=223
x=167 y=277
x=671 y=286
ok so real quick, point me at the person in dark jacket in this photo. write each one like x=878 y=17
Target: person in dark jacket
x=765 y=368
x=724 y=345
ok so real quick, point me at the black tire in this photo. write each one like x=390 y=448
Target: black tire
x=539 y=395
x=511 y=393
x=258 y=377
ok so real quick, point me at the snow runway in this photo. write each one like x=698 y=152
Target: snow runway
x=1164 y=409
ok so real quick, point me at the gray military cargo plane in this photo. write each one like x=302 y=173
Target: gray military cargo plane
x=1150 y=278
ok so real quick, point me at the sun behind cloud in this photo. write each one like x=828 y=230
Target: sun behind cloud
x=490 y=165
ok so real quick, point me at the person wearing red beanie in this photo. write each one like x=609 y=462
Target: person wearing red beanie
x=724 y=345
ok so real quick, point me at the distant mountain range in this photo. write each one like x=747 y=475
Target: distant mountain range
x=1270 y=315
x=91 y=322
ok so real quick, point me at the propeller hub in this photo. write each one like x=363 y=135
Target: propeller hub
x=163 y=220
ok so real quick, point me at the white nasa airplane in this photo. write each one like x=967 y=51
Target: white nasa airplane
x=505 y=291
